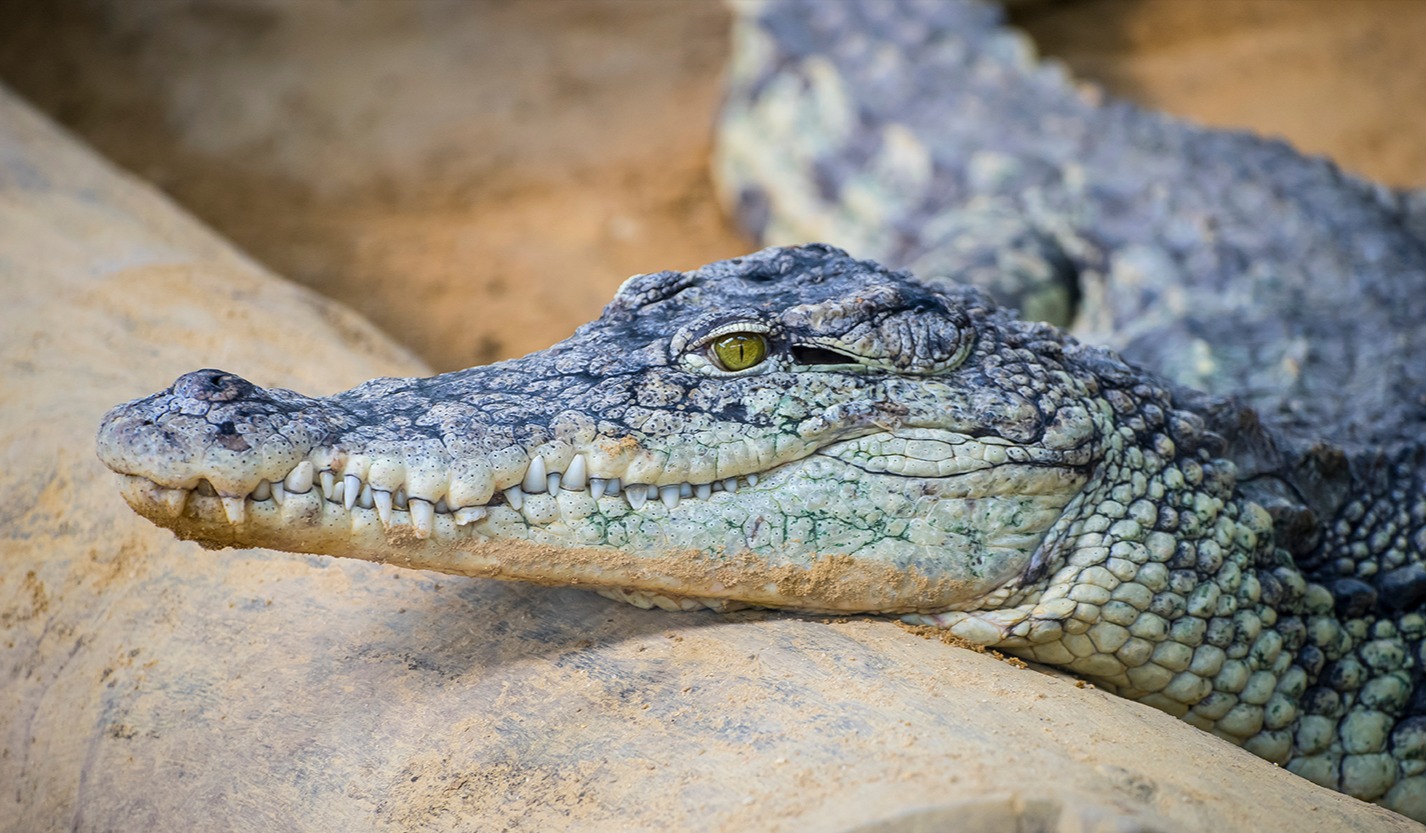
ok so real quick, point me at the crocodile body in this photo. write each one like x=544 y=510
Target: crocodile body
x=1234 y=536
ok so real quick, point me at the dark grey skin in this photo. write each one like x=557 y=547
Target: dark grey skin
x=926 y=136
x=1248 y=558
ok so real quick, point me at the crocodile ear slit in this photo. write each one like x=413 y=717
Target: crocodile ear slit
x=814 y=354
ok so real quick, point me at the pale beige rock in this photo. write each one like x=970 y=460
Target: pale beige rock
x=148 y=685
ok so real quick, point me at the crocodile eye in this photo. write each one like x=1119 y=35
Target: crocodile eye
x=739 y=351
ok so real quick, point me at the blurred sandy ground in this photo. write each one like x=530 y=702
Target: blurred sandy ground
x=477 y=176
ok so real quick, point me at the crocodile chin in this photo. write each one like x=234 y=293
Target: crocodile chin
x=793 y=429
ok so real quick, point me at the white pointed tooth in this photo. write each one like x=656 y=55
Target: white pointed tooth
x=442 y=508
x=685 y=490
x=329 y=484
x=577 y=475
x=172 y=501
x=365 y=500
x=236 y=508
x=535 y=476
x=636 y=495
x=382 y=501
x=703 y=491
x=279 y=494
x=299 y=480
x=552 y=482
x=339 y=491
x=470 y=514
x=730 y=484
x=515 y=497
x=752 y=480
x=611 y=486
x=423 y=517
x=669 y=495
x=596 y=487
x=262 y=492
x=398 y=499
x=352 y=488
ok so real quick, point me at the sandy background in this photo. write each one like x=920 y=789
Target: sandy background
x=477 y=177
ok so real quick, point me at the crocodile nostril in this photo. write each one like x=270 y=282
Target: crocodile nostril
x=211 y=385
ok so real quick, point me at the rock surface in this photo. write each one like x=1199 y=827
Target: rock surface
x=146 y=684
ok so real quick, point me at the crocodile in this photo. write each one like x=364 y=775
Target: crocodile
x=1221 y=515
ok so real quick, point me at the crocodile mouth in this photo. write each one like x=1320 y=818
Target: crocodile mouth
x=329 y=491
x=857 y=518
x=718 y=544
x=962 y=515
x=330 y=485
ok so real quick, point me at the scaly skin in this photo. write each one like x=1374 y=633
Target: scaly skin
x=926 y=136
x=937 y=458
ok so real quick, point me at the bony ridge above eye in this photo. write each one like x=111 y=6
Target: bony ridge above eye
x=739 y=350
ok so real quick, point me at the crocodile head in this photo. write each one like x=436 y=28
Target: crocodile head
x=794 y=428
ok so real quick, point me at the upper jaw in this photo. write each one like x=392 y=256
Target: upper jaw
x=213 y=437
x=209 y=426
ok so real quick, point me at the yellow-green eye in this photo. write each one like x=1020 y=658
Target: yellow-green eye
x=740 y=351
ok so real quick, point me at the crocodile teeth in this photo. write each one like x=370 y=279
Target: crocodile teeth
x=576 y=475
x=423 y=517
x=354 y=490
x=172 y=501
x=470 y=514
x=236 y=508
x=352 y=485
x=299 y=480
x=535 y=476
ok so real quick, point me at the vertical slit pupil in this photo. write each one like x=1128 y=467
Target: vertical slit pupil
x=740 y=351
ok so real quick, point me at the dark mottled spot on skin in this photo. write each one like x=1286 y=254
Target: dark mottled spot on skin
x=1402 y=589
x=1417 y=704
x=1353 y=598
x=229 y=438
